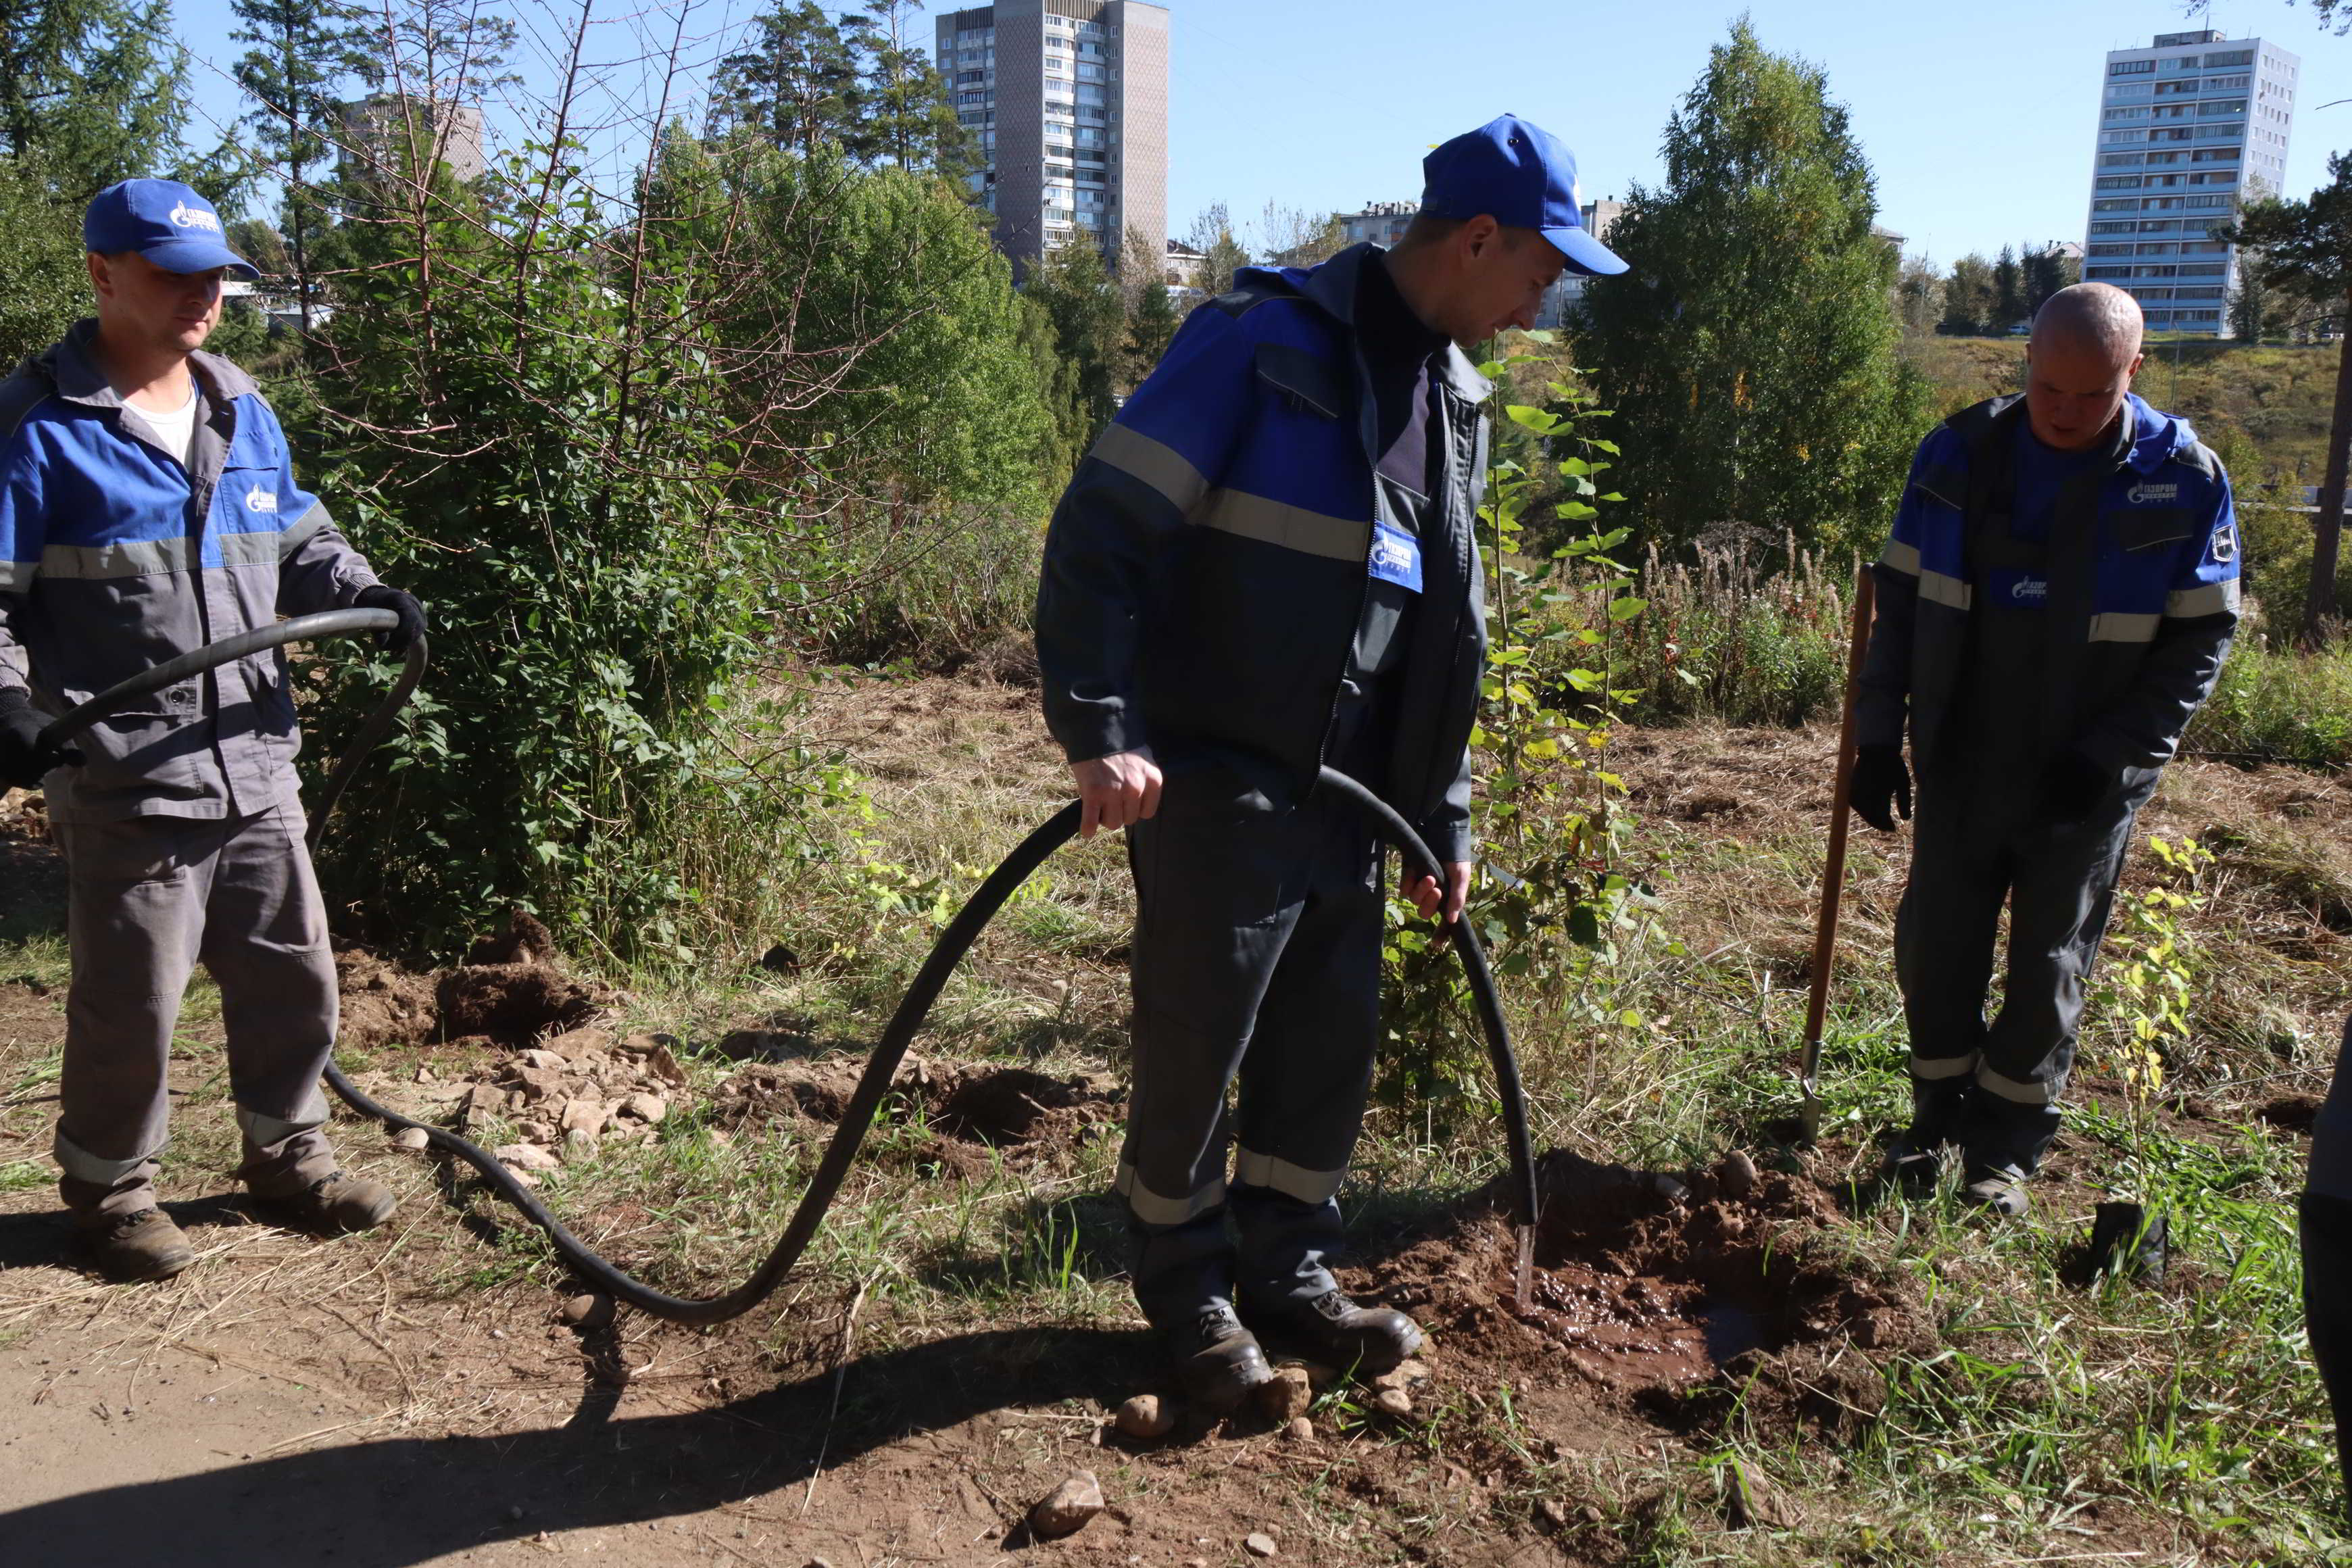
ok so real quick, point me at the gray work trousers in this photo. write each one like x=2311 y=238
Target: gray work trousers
x=1258 y=957
x=147 y=899
x=1976 y=845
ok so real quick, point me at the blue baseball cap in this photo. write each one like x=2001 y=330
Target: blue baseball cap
x=1522 y=176
x=164 y=221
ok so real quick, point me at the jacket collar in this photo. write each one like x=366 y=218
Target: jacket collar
x=2007 y=415
x=73 y=369
x=1332 y=287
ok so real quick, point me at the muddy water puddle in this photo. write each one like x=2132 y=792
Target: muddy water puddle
x=1641 y=1331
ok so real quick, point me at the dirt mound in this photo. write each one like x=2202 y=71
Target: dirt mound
x=524 y=940
x=1674 y=1300
x=383 y=1004
x=511 y=1002
x=968 y=1107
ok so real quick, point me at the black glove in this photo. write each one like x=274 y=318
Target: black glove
x=2071 y=786
x=1881 y=787
x=22 y=758
x=377 y=596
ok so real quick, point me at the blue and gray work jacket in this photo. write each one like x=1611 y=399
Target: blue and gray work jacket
x=1207 y=570
x=2140 y=591
x=116 y=556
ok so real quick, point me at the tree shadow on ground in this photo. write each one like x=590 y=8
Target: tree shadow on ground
x=412 y=1500
x=32 y=877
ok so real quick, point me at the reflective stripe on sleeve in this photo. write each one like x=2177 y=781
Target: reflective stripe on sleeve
x=1938 y=589
x=2116 y=627
x=1901 y=557
x=1155 y=463
x=15 y=576
x=1255 y=1170
x=2205 y=599
x=1152 y=1209
x=290 y=538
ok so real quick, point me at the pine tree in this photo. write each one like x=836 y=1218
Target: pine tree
x=99 y=89
x=303 y=51
x=797 y=84
x=2249 y=302
x=1749 y=351
x=1081 y=299
x=2009 y=305
x=906 y=116
x=2304 y=249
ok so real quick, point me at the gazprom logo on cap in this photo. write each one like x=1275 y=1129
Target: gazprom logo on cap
x=186 y=217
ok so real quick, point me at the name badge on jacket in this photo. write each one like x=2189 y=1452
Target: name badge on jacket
x=1396 y=557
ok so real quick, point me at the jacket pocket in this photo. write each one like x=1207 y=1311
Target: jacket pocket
x=1308 y=383
x=2149 y=527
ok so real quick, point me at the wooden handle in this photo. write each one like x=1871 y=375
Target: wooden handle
x=1841 y=796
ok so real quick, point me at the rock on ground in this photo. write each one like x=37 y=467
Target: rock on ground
x=1067 y=1508
x=1143 y=1417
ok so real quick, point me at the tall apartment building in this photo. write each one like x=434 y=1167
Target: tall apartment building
x=2190 y=127
x=1069 y=98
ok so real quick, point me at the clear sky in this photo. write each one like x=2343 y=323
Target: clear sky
x=1978 y=118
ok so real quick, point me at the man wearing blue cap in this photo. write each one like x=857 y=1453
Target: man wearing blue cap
x=147 y=506
x=1267 y=563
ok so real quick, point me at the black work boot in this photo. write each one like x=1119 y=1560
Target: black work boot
x=130 y=1248
x=1339 y=1333
x=334 y=1205
x=2002 y=1144
x=1217 y=1360
x=1996 y=1189
x=1938 y=1109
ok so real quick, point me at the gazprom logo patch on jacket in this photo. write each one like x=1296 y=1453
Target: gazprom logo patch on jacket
x=2021 y=590
x=2148 y=493
x=259 y=499
x=186 y=217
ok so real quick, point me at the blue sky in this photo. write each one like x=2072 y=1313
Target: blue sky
x=1978 y=118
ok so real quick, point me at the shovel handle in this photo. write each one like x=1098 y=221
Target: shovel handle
x=1841 y=796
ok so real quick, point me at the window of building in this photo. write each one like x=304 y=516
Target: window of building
x=2114 y=116
x=2110 y=138
x=2137 y=292
x=2166 y=157
x=2116 y=204
x=2111 y=228
x=2226 y=107
x=2215 y=155
x=2155 y=251
x=2164 y=112
x=2170 y=134
x=2117 y=182
x=2204 y=248
x=2159 y=226
x=2109 y=250
x=2129 y=67
x=2122 y=160
x=2094 y=274
x=2203 y=268
x=1089 y=73
x=2229 y=58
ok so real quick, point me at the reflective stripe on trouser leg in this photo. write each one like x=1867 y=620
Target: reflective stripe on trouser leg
x=134 y=921
x=1211 y=915
x=1309 y=1066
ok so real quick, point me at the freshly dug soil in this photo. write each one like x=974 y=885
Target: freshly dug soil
x=513 y=1001
x=383 y=1004
x=969 y=1107
x=1671 y=1298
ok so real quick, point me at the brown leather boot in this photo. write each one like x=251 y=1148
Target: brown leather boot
x=134 y=1247
x=334 y=1205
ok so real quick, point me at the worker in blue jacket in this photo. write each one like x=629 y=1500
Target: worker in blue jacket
x=2055 y=602
x=147 y=505
x=1267 y=564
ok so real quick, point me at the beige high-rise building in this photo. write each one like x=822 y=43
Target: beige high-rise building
x=1069 y=100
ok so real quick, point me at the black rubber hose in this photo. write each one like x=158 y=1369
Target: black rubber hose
x=881 y=1068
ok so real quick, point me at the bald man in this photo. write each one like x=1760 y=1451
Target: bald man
x=2055 y=602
